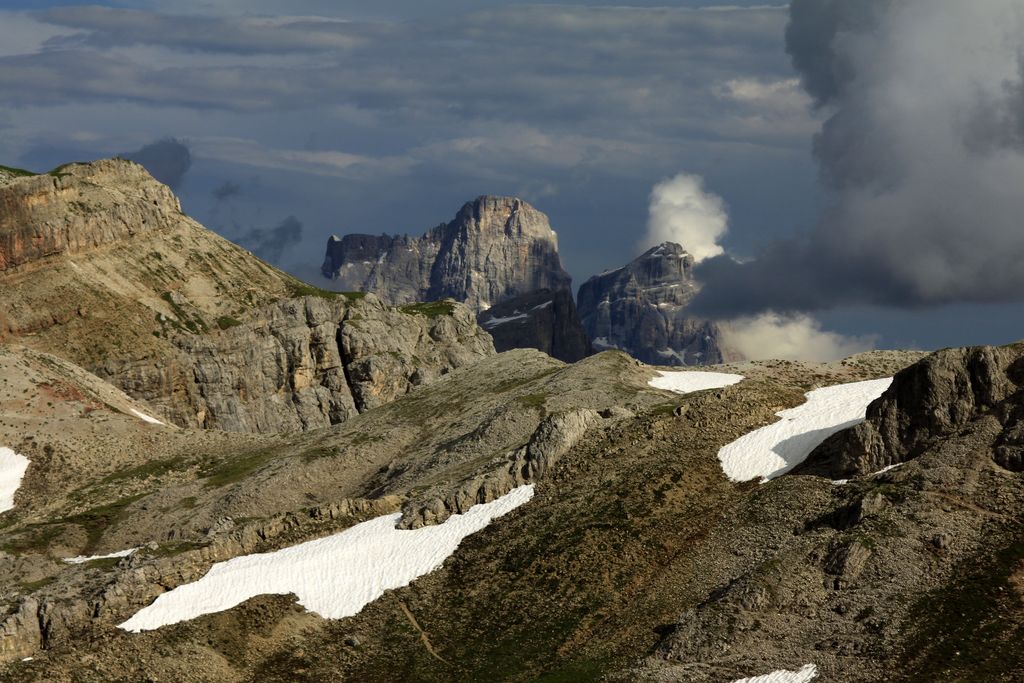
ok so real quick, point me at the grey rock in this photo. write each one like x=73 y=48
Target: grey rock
x=927 y=402
x=545 y=320
x=641 y=309
x=301 y=364
x=555 y=436
x=494 y=249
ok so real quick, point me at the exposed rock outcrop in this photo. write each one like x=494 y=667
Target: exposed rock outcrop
x=302 y=364
x=494 y=249
x=555 y=436
x=641 y=309
x=928 y=402
x=80 y=207
x=99 y=266
x=545 y=320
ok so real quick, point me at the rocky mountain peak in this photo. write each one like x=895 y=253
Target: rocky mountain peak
x=641 y=309
x=511 y=216
x=495 y=248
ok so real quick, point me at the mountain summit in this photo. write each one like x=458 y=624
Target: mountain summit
x=494 y=249
x=641 y=309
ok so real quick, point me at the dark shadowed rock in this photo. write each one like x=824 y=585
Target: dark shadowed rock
x=545 y=320
x=641 y=309
x=496 y=248
x=930 y=401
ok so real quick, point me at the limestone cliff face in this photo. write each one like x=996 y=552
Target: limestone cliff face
x=79 y=207
x=99 y=266
x=97 y=259
x=495 y=248
x=545 y=320
x=641 y=309
x=301 y=364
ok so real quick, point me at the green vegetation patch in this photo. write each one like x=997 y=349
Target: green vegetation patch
x=533 y=400
x=431 y=309
x=18 y=172
x=226 y=321
x=195 y=325
x=153 y=468
x=297 y=288
x=237 y=468
x=99 y=519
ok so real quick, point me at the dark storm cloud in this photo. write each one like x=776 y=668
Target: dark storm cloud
x=271 y=244
x=549 y=64
x=226 y=190
x=922 y=153
x=167 y=160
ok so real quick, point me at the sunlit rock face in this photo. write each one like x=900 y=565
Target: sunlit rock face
x=494 y=249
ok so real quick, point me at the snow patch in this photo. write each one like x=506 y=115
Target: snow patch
x=840 y=482
x=81 y=559
x=776 y=449
x=12 y=469
x=805 y=674
x=686 y=382
x=494 y=322
x=334 y=576
x=540 y=306
x=145 y=418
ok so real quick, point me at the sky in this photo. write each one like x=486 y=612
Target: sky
x=281 y=123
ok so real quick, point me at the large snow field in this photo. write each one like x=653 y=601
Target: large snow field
x=683 y=382
x=805 y=674
x=776 y=449
x=12 y=468
x=334 y=576
x=82 y=559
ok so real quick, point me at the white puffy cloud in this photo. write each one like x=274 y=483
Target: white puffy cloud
x=682 y=211
x=789 y=337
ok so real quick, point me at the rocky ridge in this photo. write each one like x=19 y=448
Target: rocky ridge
x=641 y=309
x=98 y=265
x=494 y=249
x=302 y=363
x=933 y=401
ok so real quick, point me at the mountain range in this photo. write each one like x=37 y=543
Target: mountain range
x=211 y=471
x=499 y=256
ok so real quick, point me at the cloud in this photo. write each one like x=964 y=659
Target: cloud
x=330 y=163
x=271 y=244
x=106 y=27
x=922 y=156
x=681 y=211
x=226 y=190
x=794 y=337
x=167 y=160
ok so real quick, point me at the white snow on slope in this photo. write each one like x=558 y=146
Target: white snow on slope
x=776 y=449
x=685 y=382
x=494 y=322
x=145 y=418
x=81 y=559
x=805 y=674
x=841 y=482
x=334 y=576
x=12 y=469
